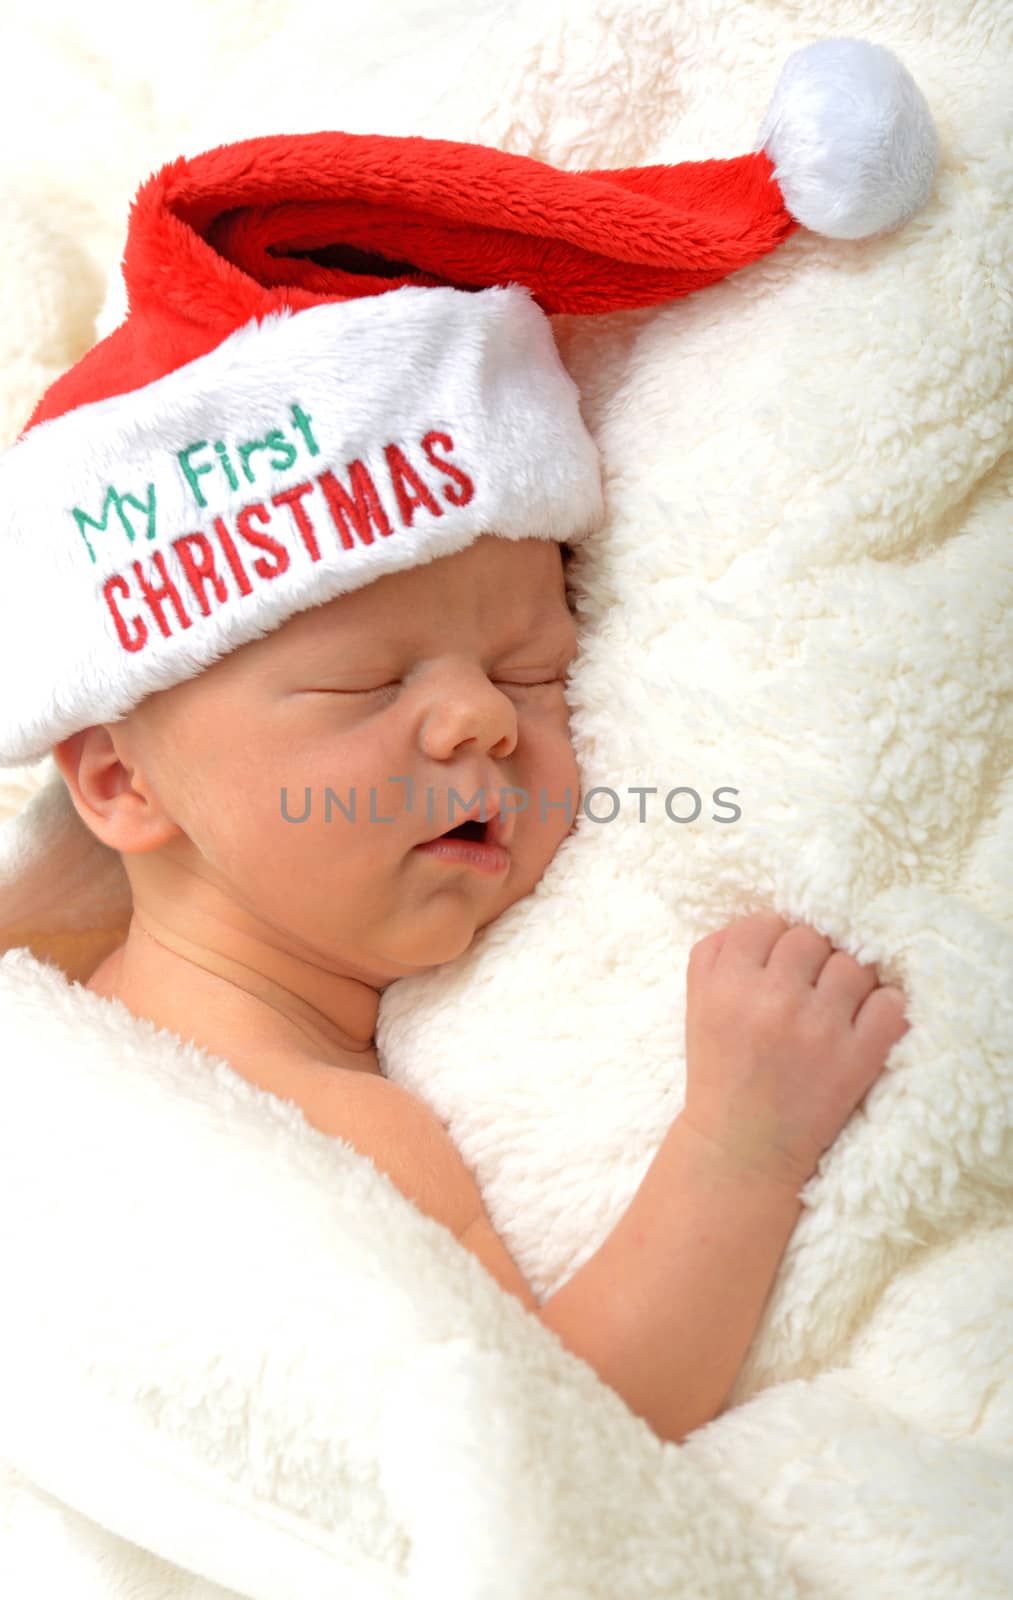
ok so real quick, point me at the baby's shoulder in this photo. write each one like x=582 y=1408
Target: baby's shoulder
x=401 y=1135
x=407 y=1142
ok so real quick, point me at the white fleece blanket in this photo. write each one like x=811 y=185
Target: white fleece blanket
x=234 y=1360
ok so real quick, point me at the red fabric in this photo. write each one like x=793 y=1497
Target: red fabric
x=212 y=240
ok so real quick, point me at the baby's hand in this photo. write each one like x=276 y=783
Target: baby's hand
x=784 y=1036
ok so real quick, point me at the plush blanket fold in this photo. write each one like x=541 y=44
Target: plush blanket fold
x=234 y=1360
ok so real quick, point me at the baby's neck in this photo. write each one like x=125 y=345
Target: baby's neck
x=226 y=1005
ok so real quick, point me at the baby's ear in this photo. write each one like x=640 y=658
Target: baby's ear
x=110 y=799
x=67 y=756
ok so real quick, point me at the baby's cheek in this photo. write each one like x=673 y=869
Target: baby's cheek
x=551 y=778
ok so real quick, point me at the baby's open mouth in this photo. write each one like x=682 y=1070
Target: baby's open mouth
x=494 y=831
x=466 y=830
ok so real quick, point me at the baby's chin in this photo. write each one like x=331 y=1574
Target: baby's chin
x=412 y=956
x=407 y=952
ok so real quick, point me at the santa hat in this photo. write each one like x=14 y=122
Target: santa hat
x=337 y=363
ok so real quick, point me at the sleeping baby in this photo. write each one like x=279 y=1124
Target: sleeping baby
x=431 y=694
x=286 y=597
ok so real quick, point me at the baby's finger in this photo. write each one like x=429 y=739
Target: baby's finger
x=882 y=1018
x=800 y=956
x=705 y=952
x=846 y=984
x=753 y=938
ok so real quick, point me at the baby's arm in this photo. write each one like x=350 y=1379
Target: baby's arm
x=666 y=1309
x=784 y=1037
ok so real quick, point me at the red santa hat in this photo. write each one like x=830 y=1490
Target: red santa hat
x=337 y=363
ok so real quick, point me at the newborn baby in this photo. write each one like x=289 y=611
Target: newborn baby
x=266 y=933
x=257 y=514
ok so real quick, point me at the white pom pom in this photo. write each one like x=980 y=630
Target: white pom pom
x=851 y=137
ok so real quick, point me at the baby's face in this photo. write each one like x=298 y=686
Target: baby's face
x=450 y=675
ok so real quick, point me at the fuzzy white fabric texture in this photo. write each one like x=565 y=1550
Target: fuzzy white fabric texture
x=234 y=1360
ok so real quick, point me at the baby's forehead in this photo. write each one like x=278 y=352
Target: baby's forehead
x=408 y=611
x=336 y=634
